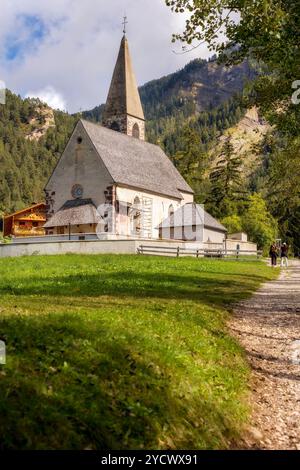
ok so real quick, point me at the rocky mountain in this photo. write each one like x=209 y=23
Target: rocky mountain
x=246 y=137
x=206 y=84
x=39 y=123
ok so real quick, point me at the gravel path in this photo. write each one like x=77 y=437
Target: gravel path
x=268 y=327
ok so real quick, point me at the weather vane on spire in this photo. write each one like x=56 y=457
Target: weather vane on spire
x=125 y=22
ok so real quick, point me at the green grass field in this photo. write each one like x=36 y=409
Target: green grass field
x=122 y=352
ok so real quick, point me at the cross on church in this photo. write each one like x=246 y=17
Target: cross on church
x=125 y=22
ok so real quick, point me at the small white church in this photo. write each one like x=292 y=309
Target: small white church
x=110 y=181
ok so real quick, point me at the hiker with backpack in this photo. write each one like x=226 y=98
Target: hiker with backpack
x=284 y=255
x=273 y=255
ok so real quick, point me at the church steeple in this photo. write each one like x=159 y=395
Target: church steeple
x=123 y=110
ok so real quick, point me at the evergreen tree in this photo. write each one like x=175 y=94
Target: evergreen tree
x=258 y=223
x=226 y=183
x=190 y=161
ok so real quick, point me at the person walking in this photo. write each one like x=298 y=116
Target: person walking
x=273 y=255
x=284 y=255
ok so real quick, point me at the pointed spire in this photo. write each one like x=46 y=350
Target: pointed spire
x=123 y=110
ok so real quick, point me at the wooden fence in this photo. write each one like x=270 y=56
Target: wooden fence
x=198 y=253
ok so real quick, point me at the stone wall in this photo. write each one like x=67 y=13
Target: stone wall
x=131 y=121
x=243 y=246
x=124 y=124
x=83 y=247
x=93 y=247
x=213 y=236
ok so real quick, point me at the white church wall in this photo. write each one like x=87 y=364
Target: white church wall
x=187 y=198
x=204 y=235
x=232 y=244
x=160 y=208
x=79 y=165
x=213 y=236
x=187 y=233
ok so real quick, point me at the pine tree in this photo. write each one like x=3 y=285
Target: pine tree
x=190 y=161
x=226 y=183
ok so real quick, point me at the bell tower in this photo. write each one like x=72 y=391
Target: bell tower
x=123 y=110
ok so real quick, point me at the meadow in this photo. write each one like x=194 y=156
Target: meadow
x=122 y=352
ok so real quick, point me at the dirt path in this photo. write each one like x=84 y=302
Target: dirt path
x=268 y=325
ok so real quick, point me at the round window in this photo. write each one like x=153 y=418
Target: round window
x=77 y=191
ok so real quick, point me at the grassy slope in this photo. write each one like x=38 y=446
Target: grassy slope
x=121 y=352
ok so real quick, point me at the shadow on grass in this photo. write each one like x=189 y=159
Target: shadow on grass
x=72 y=384
x=212 y=289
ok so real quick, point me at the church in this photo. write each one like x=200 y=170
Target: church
x=110 y=181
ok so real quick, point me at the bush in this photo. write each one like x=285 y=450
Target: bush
x=258 y=223
x=233 y=223
x=4 y=239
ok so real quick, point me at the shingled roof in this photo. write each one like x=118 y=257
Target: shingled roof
x=191 y=215
x=135 y=163
x=75 y=212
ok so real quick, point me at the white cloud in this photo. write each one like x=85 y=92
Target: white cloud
x=50 y=96
x=78 y=52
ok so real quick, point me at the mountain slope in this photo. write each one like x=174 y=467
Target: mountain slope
x=246 y=137
x=32 y=137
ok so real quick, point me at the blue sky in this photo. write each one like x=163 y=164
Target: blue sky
x=16 y=46
x=64 y=50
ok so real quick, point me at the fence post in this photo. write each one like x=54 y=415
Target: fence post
x=178 y=252
x=197 y=253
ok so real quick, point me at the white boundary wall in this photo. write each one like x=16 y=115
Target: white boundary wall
x=81 y=247
x=94 y=247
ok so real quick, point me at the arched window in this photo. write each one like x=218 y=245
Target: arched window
x=136 y=218
x=115 y=126
x=136 y=131
x=171 y=218
x=171 y=211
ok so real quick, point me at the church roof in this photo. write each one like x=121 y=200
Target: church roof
x=192 y=215
x=135 y=163
x=123 y=97
x=75 y=212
